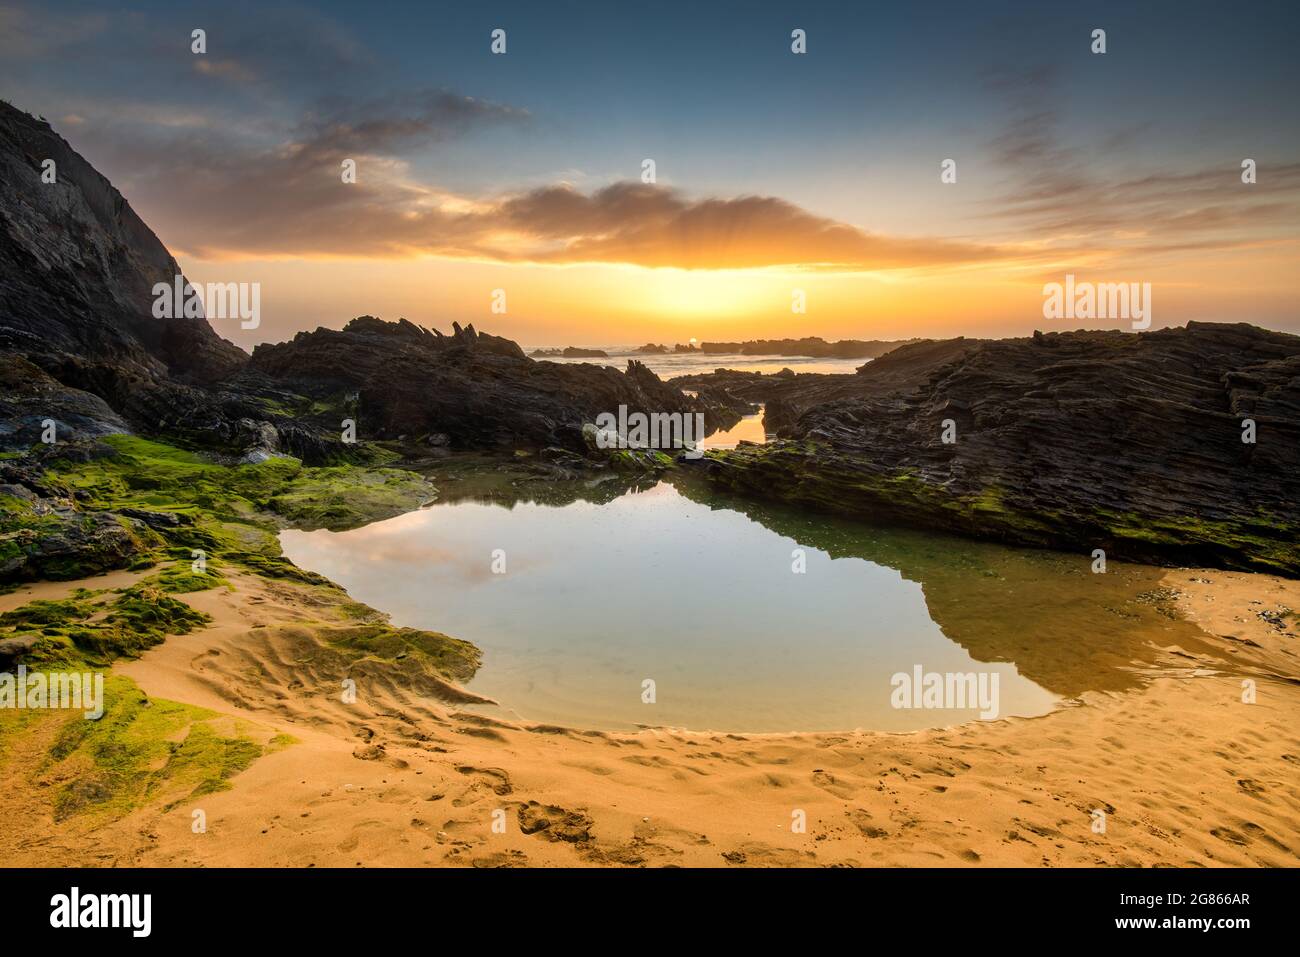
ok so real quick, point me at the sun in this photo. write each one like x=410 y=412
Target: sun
x=714 y=293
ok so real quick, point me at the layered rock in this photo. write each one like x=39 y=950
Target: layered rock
x=1128 y=443
x=787 y=395
x=79 y=341
x=35 y=406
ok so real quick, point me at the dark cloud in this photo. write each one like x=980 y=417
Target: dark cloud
x=210 y=195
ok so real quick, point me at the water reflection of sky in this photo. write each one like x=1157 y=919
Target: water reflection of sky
x=748 y=429
x=597 y=598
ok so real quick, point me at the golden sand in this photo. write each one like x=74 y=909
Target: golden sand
x=1183 y=771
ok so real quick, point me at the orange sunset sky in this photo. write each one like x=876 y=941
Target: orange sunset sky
x=775 y=171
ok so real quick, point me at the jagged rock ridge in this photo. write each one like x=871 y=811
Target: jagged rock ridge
x=1129 y=443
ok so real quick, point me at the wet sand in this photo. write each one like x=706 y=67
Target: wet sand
x=1184 y=771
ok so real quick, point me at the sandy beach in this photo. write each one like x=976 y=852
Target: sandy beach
x=1184 y=772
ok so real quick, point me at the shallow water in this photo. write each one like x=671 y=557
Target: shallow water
x=605 y=588
x=749 y=429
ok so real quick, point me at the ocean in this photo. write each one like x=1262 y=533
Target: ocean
x=693 y=363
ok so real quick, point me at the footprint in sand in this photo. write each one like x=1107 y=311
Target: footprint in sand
x=833 y=785
x=649 y=831
x=501 y=859
x=554 y=823
x=1229 y=836
x=1042 y=830
x=862 y=821
x=1254 y=830
x=465 y=833
x=495 y=778
x=757 y=854
x=1253 y=788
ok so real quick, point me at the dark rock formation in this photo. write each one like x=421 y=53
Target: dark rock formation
x=74 y=545
x=77 y=268
x=476 y=390
x=33 y=405
x=1129 y=443
x=79 y=343
x=812 y=346
x=569 y=352
x=788 y=395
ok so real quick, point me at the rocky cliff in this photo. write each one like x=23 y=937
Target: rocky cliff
x=77 y=268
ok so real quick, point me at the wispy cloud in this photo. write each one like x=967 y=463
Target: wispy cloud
x=292 y=202
x=398 y=123
x=238 y=153
x=1062 y=191
x=242 y=198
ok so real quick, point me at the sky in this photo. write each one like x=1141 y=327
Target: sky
x=777 y=176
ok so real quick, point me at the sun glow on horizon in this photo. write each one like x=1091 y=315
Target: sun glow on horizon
x=617 y=304
x=715 y=293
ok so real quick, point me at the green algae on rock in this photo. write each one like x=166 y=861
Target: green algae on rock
x=93 y=628
x=128 y=502
x=814 y=475
x=201 y=521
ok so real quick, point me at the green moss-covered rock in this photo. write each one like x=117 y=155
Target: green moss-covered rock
x=150 y=475
x=128 y=502
x=814 y=475
x=341 y=497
